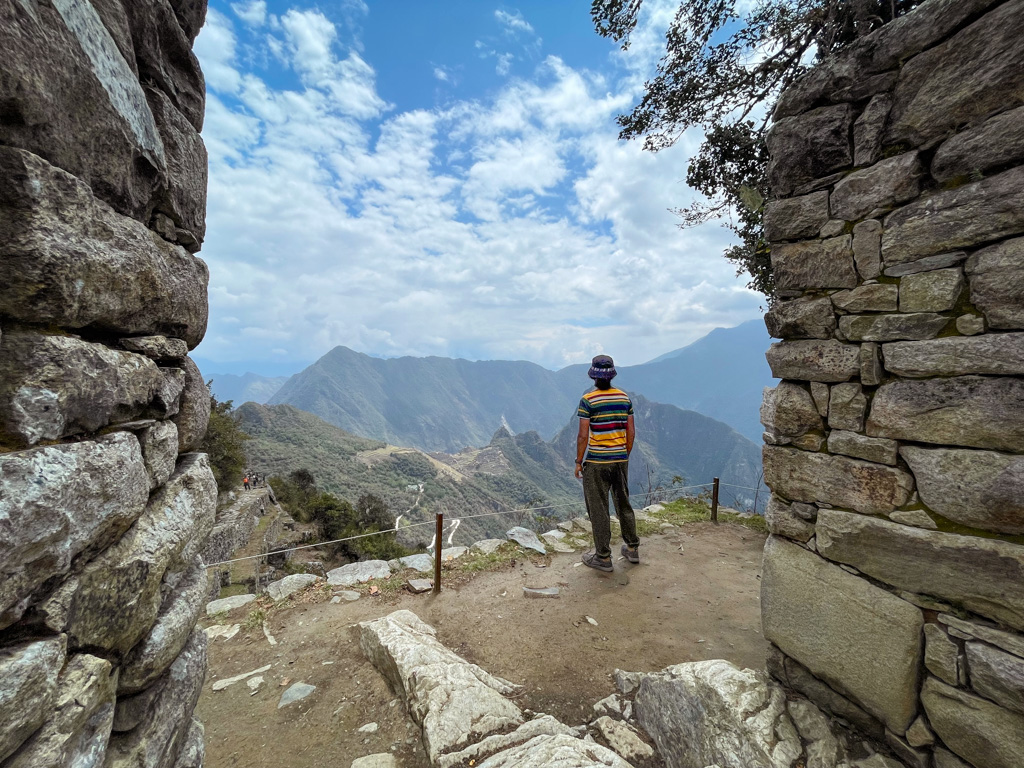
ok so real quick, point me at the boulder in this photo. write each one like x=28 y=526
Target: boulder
x=993 y=353
x=558 y=750
x=357 y=573
x=960 y=81
x=789 y=410
x=526 y=538
x=877 y=297
x=78 y=727
x=193 y=416
x=795 y=218
x=152 y=728
x=973 y=214
x=979 y=489
x=158 y=348
x=452 y=553
x=998 y=142
x=193 y=751
x=972 y=411
x=167 y=400
x=53 y=386
x=59 y=501
x=295 y=692
x=71 y=261
x=783 y=521
x=814 y=360
x=884 y=185
x=942 y=656
x=818 y=477
x=808 y=146
x=29 y=672
x=997 y=675
x=225 y=604
x=867 y=248
x=157 y=651
x=921 y=325
x=814 y=264
x=846 y=407
x=71 y=97
x=804 y=318
x=289 y=585
x=159 y=444
x=623 y=739
x=869 y=129
x=191 y=15
x=861 y=640
x=981 y=732
x=966 y=570
x=487 y=546
x=875 y=449
x=454 y=702
x=116 y=598
x=936 y=291
x=996 y=277
x=423 y=563
x=712 y=712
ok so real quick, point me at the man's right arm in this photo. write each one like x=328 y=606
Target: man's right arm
x=582 y=438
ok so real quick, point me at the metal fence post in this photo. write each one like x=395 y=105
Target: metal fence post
x=439 y=523
x=714 y=502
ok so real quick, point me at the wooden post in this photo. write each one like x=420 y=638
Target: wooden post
x=714 y=502
x=439 y=519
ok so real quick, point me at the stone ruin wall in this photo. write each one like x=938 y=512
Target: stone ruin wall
x=104 y=505
x=893 y=583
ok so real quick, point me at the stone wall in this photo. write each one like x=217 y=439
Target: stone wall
x=104 y=506
x=893 y=586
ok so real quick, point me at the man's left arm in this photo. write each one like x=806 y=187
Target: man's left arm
x=630 y=433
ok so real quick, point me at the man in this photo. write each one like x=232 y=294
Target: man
x=606 y=438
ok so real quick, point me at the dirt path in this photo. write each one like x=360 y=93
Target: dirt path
x=676 y=606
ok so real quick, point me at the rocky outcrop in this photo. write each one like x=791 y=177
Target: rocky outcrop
x=891 y=582
x=102 y=519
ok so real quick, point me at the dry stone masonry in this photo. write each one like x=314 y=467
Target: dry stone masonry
x=104 y=505
x=893 y=585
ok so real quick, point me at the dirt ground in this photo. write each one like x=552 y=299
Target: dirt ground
x=694 y=597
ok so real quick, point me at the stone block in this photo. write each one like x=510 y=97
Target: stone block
x=289 y=585
x=808 y=146
x=804 y=318
x=946 y=759
x=977 y=730
x=915 y=517
x=179 y=611
x=867 y=248
x=926 y=264
x=29 y=672
x=814 y=264
x=997 y=675
x=193 y=750
x=60 y=501
x=996 y=276
x=884 y=185
x=998 y=142
x=966 y=570
x=116 y=598
x=837 y=480
x=942 y=655
x=846 y=407
x=159 y=451
x=822 y=361
x=69 y=260
x=832 y=228
x=819 y=393
x=70 y=96
x=877 y=297
x=1008 y=641
x=920 y=325
x=970 y=325
x=936 y=291
x=52 y=386
x=960 y=81
x=970 y=215
x=77 y=729
x=193 y=415
x=789 y=410
x=870 y=364
x=795 y=218
x=152 y=728
x=357 y=573
x=875 y=449
x=993 y=353
x=158 y=348
x=167 y=399
x=869 y=129
x=858 y=638
x=783 y=521
x=970 y=411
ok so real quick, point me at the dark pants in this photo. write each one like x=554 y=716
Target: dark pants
x=598 y=481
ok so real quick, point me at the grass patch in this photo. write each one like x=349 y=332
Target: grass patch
x=254 y=620
x=234 y=589
x=683 y=511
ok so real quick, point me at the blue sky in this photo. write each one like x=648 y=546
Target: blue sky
x=409 y=182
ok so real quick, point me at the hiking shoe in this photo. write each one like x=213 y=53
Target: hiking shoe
x=600 y=563
x=631 y=553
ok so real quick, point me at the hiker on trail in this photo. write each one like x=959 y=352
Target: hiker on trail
x=603 y=445
x=245 y=482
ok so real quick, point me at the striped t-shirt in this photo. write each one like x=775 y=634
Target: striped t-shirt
x=608 y=411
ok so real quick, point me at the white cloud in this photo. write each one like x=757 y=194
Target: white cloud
x=514 y=22
x=253 y=12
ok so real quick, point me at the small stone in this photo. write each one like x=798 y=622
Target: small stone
x=220 y=685
x=783 y=521
x=254 y=683
x=227 y=631
x=358 y=573
x=609 y=705
x=348 y=595
x=623 y=739
x=590 y=620
x=541 y=592
x=289 y=585
x=970 y=325
x=819 y=392
x=368 y=728
x=489 y=546
x=420 y=585
x=422 y=562
x=297 y=692
x=526 y=538
x=453 y=553
x=335 y=600
x=870 y=364
x=915 y=517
